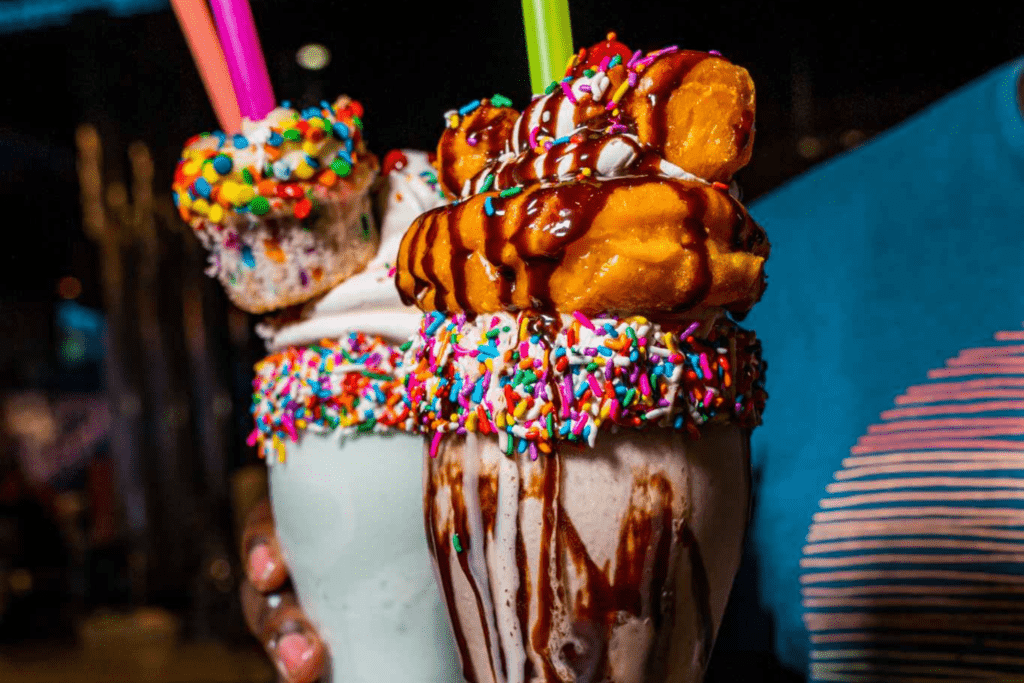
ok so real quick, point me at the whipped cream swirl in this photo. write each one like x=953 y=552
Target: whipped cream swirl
x=369 y=302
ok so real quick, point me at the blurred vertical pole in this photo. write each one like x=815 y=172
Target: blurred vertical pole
x=801 y=93
x=125 y=405
x=210 y=399
x=201 y=320
x=168 y=409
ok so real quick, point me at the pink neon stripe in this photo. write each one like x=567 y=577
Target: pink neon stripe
x=1015 y=429
x=974 y=370
x=837 y=677
x=958 y=395
x=960 y=657
x=853 y=672
x=950 y=422
x=901 y=655
x=987 y=406
x=1013 y=362
x=831 y=621
x=925 y=621
x=929 y=456
x=912 y=574
x=916 y=543
x=907 y=558
x=1009 y=336
x=914 y=589
x=873 y=637
x=1004 y=464
x=938 y=444
x=921 y=601
x=926 y=482
x=985 y=351
x=896 y=496
x=964 y=670
x=935 y=526
x=1007 y=360
x=981 y=383
x=1012 y=514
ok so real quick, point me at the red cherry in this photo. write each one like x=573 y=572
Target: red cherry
x=394 y=160
x=597 y=53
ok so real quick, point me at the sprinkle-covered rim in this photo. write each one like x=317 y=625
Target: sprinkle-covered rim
x=531 y=385
x=350 y=384
x=518 y=377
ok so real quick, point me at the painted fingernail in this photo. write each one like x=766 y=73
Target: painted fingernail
x=261 y=564
x=293 y=651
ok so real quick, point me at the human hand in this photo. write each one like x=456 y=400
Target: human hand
x=270 y=606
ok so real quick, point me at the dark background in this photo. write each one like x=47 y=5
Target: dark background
x=821 y=69
x=829 y=76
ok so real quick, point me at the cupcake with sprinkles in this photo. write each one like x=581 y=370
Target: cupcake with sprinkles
x=283 y=207
x=585 y=391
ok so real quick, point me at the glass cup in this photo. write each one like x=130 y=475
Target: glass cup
x=349 y=514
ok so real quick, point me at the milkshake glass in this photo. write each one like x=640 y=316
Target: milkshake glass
x=348 y=514
x=585 y=394
x=345 y=479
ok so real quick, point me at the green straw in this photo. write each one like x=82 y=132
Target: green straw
x=548 y=40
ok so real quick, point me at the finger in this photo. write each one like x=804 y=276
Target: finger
x=290 y=641
x=300 y=657
x=261 y=553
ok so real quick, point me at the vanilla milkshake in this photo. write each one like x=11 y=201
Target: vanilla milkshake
x=344 y=475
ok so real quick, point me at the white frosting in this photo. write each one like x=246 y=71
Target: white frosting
x=369 y=302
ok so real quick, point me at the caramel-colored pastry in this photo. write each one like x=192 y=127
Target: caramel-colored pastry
x=622 y=246
x=607 y=196
x=468 y=147
x=694 y=109
x=698 y=111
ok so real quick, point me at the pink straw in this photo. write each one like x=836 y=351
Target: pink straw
x=248 y=68
x=197 y=26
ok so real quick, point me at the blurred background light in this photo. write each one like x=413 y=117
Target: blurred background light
x=809 y=147
x=313 y=56
x=22 y=15
x=69 y=287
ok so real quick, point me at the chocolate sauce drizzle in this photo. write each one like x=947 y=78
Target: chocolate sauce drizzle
x=550 y=220
x=583 y=150
x=701 y=590
x=641 y=586
x=679 y=65
x=438 y=543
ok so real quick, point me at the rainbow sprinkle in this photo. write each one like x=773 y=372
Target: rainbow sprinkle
x=533 y=386
x=584 y=83
x=315 y=147
x=349 y=384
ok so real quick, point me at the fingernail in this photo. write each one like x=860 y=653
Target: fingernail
x=293 y=650
x=261 y=564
